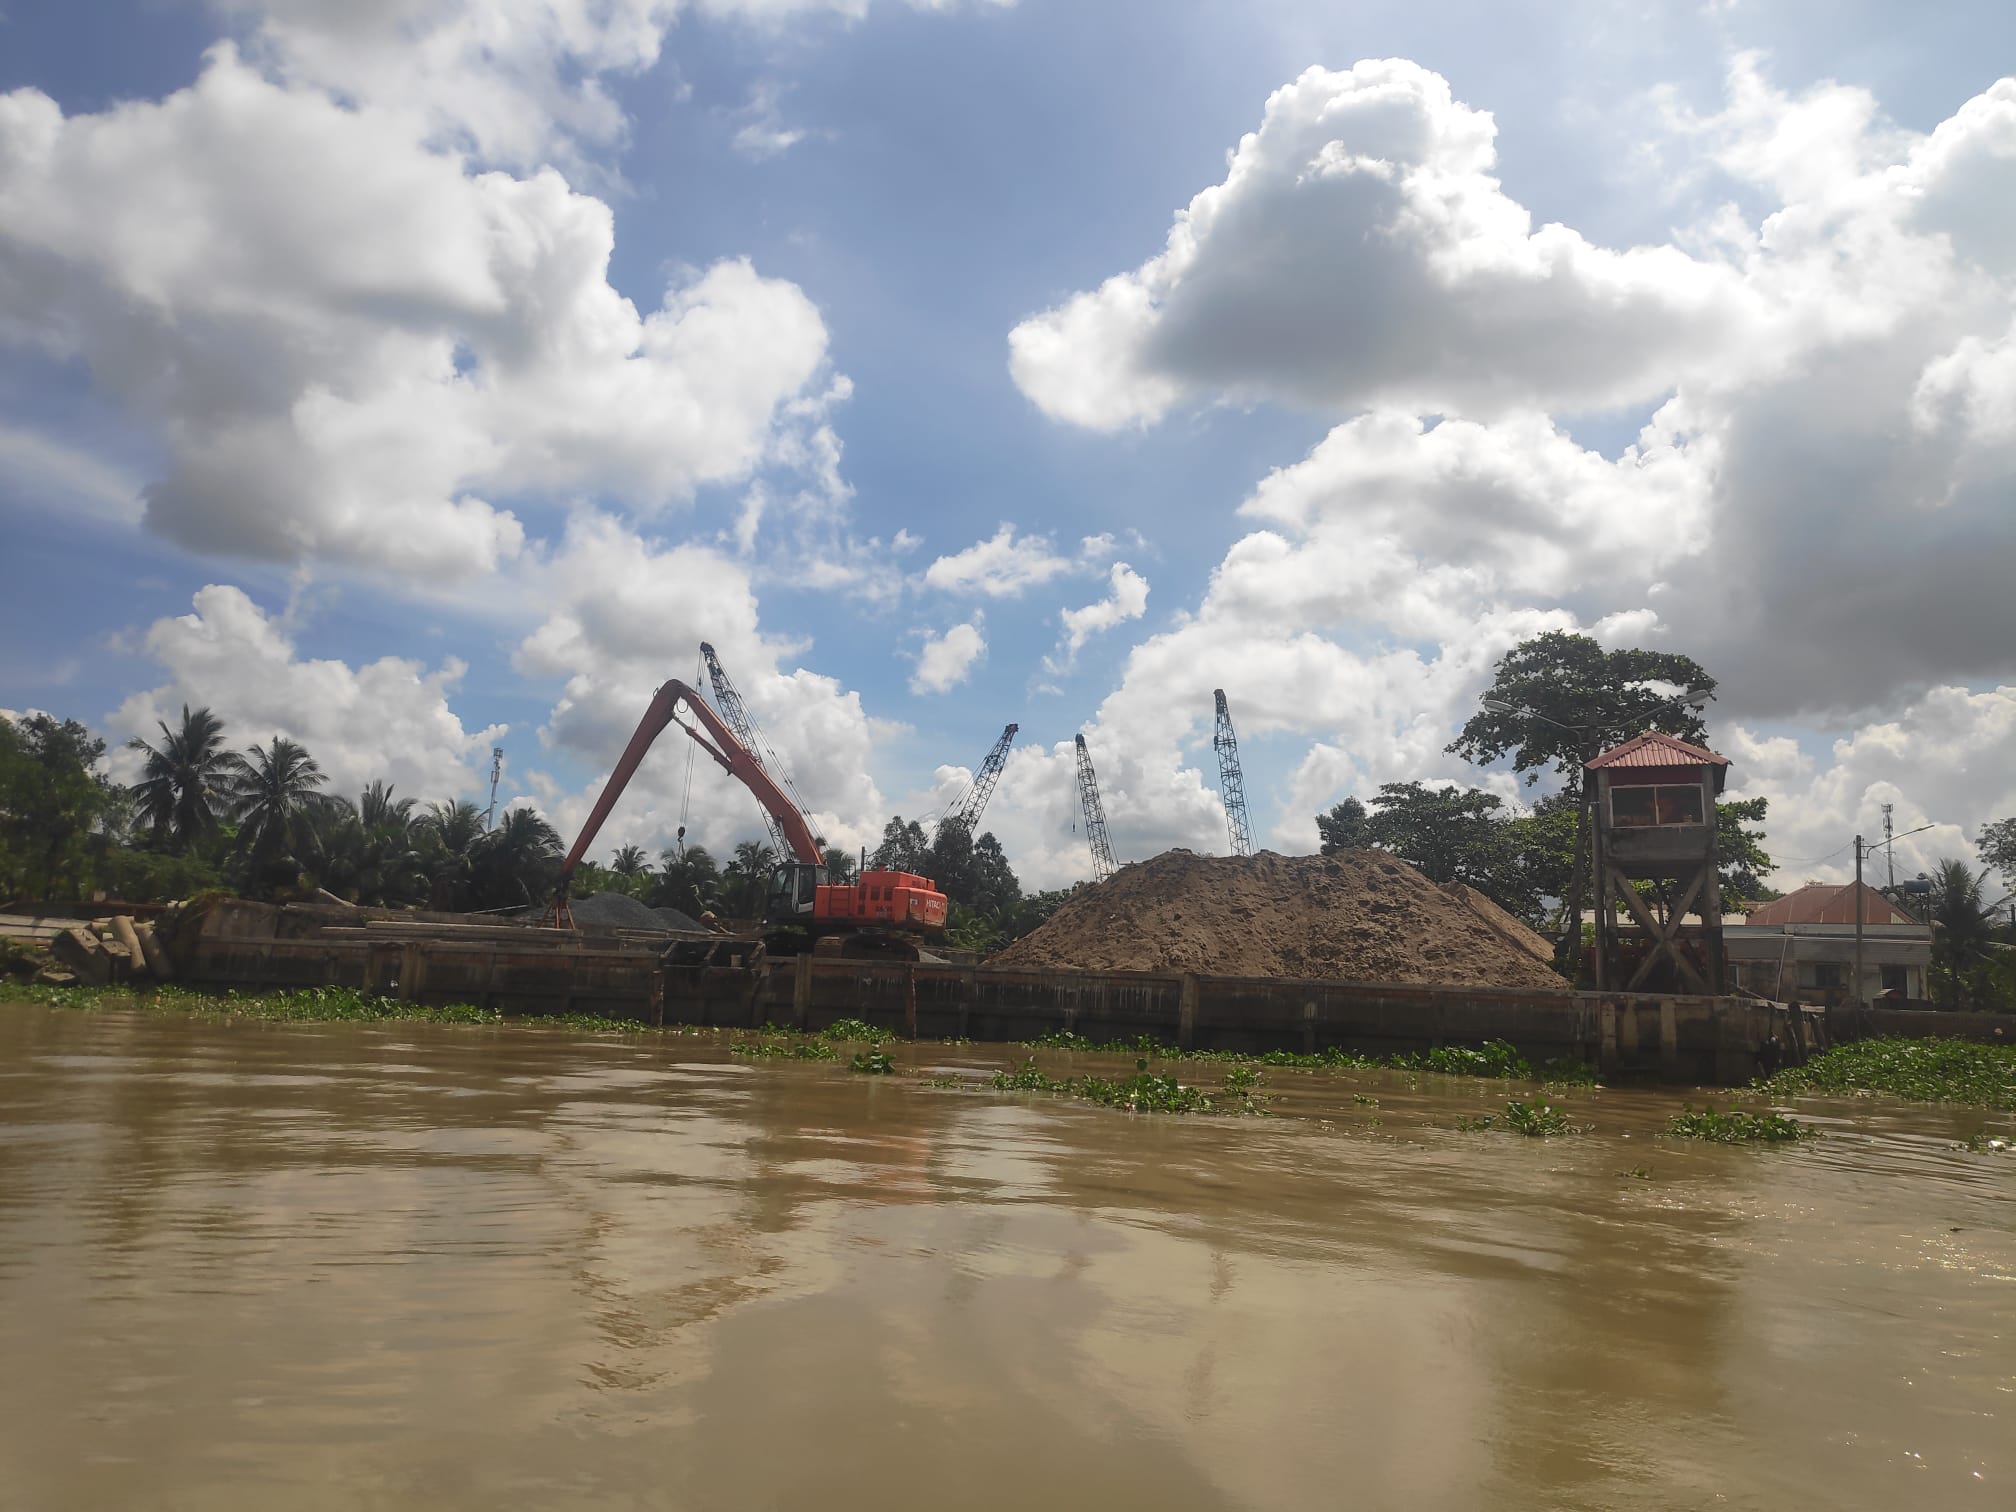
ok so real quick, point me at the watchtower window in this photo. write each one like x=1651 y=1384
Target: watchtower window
x=1647 y=807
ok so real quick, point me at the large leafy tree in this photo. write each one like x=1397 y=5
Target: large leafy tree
x=1559 y=699
x=1342 y=828
x=1998 y=848
x=188 y=782
x=905 y=847
x=51 y=800
x=1451 y=834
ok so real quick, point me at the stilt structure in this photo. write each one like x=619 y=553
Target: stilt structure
x=1655 y=822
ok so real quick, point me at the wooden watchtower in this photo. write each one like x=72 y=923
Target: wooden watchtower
x=1655 y=822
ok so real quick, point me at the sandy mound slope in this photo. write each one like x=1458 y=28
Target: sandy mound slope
x=1358 y=915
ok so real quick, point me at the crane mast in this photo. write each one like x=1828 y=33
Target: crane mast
x=1103 y=865
x=1231 y=781
x=736 y=713
x=972 y=803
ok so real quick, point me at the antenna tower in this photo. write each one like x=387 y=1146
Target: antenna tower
x=1103 y=865
x=969 y=805
x=496 y=775
x=732 y=709
x=1889 y=852
x=1231 y=781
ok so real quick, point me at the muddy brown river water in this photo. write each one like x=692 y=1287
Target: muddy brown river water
x=406 y=1267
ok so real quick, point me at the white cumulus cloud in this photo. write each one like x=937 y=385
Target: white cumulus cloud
x=387 y=719
x=948 y=659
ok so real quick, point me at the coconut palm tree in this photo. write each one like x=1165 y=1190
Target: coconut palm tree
x=280 y=787
x=189 y=782
x=447 y=834
x=630 y=863
x=1963 y=921
x=748 y=877
x=516 y=862
x=688 y=880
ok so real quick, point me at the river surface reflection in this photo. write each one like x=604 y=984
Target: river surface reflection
x=334 y=1265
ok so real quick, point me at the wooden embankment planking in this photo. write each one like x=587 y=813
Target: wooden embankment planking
x=1676 y=1038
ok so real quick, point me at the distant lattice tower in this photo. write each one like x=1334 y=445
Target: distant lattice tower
x=1103 y=864
x=972 y=803
x=728 y=703
x=1231 y=781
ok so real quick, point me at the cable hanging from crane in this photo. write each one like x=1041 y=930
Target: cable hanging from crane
x=967 y=808
x=1103 y=864
x=1231 y=781
x=729 y=704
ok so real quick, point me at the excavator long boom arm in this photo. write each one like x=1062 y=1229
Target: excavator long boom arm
x=730 y=753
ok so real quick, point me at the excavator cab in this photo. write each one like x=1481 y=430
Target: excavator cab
x=794 y=890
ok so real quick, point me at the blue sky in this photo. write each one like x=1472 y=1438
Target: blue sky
x=913 y=183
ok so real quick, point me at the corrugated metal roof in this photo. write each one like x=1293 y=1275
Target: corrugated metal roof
x=1655 y=750
x=1829 y=903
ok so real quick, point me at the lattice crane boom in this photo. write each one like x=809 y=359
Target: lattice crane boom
x=967 y=808
x=728 y=703
x=1231 y=781
x=1103 y=864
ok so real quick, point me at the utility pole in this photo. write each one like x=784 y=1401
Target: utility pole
x=1855 y=992
x=1890 y=856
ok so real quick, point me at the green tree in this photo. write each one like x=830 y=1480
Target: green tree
x=905 y=848
x=745 y=882
x=280 y=787
x=689 y=881
x=189 y=782
x=51 y=800
x=1963 y=924
x=995 y=886
x=446 y=836
x=1998 y=848
x=373 y=853
x=1745 y=862
x=840 y=866
x=630 y=871
x=1558 y=699
x=1451 y=834
x=1342 y=828
x=517 y=863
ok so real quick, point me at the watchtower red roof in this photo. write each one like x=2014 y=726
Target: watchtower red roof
x=1655 y=750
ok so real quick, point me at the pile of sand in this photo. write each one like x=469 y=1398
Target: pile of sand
x=1354 y=916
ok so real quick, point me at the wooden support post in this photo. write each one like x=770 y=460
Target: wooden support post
x=1309 y=1028
x=1669 y=1038
x=801 y=991
x=412 y=971
x=910 y=999
x=1186 y=1012
x=969 y=992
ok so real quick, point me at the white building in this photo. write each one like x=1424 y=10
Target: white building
x=1802 y=948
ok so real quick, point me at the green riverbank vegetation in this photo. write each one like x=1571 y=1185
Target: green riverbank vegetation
x=1922 y=1070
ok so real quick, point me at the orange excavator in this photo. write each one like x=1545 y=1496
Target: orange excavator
x=881 y=914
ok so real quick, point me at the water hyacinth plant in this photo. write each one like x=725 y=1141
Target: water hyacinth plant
x=1923 y=1070
x=1737 y=1127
